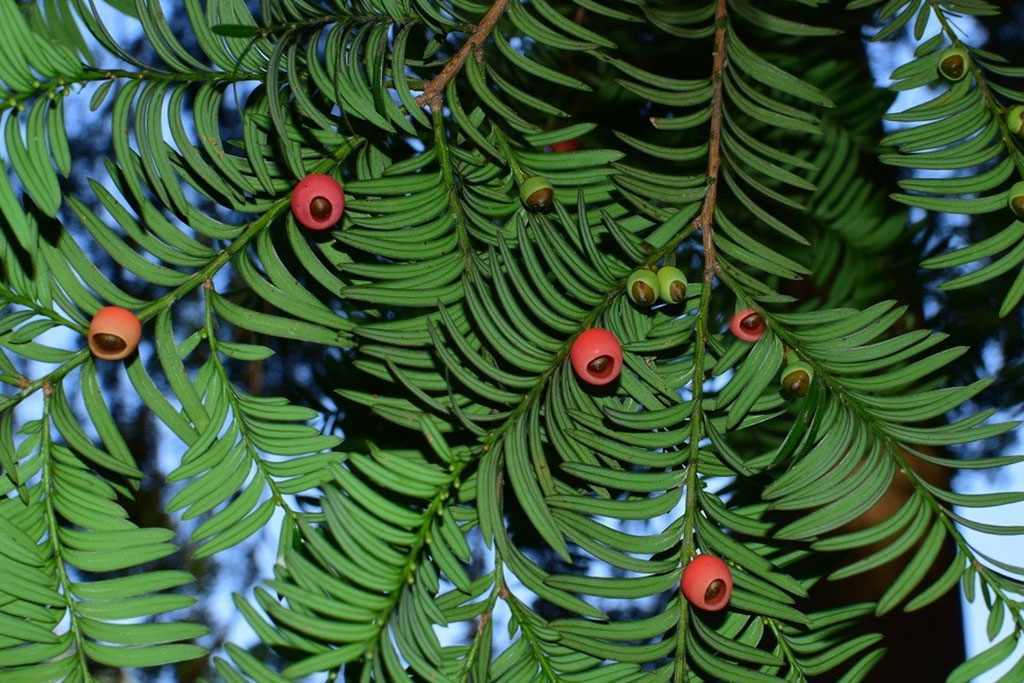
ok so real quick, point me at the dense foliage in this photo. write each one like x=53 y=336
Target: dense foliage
x=509 y=172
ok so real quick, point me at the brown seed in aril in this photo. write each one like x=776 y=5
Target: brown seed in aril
x=751 y=323
x=541 y=199
x=714 y=590
x=600 y=365
x=677 y=291
x=320 y=208
x=643 y=294
x=109 y=343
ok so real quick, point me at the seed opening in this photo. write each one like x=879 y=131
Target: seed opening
x=715 y=592
x=953 y=66
x=798 y=383
x=752 y=323
x=320 y=208
x=677 y=292
x=1017 y=206
x=109 y=343
x=541 y=199
x=643 y=293
x=601 y=366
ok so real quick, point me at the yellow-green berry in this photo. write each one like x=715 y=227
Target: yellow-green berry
x=537 y=194
x=671 y=285
x=1016 y=200
x=953 y=63
x=1015 y=119
x=642 y=287
x=796 y=380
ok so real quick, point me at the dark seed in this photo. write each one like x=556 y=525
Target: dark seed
x=541 y=199
x=109 y=343
x=752 y=323
x=643 y=294
x=600 y=366
x=320 y=208
x=677 y=291
x=953 y=67
x=797 y=384
x=1017 y=205
x=714 y=591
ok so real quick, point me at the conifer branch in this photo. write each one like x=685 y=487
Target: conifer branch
x=54 y=541
x=1005 y=135
x=705 y=223
x=61 y=86
x=201 y=276
x=705 y=220
x=895 y=450
x=434 y=87
x=244 y=431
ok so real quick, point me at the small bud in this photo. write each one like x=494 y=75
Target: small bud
x=796 y=380
x=671 y=285
x=1016 y=200
x=953 y=63
x=537 y=194
x=1015 y=119
x=642 y=287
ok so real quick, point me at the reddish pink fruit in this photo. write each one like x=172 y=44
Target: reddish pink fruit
x=114 y=333
x=318 y=202
x=707 y=583
x=747 y=325
x=596 y=356
x=566 y=146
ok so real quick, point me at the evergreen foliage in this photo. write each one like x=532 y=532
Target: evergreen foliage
x=472 y=252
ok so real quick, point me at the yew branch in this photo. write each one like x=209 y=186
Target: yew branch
x=435 y=86
x=705 y=221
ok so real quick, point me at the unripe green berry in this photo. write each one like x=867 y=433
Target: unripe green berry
x=953 y=63
x=536 y=193
x=671 y=285
x=1015 y=119
x=642 y=287
x=1016 y=200
x=796 y=380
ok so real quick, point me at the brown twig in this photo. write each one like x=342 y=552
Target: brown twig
x=705 y=221
x=435 y=86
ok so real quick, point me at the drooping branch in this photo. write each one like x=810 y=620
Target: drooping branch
x=705 y=221
x=1006 y=136
x=435 y=86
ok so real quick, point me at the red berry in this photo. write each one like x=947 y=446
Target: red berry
x=747 y=325
x=317 y=202
x=707 y=583
x=114 y=333
x=597 y=356
x=566 y=146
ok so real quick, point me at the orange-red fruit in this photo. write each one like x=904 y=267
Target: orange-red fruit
x=566 y=146
x=707 y=583
x=596 y=356
x=114 y=333
x=318 y=202
x=747 y=325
